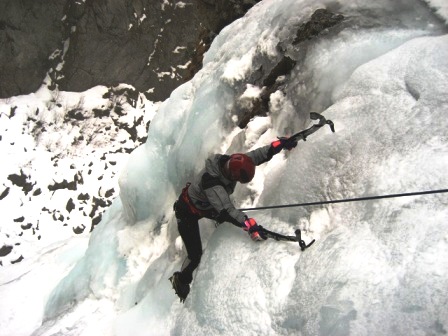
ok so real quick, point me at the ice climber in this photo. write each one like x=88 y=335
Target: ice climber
x=209 y=196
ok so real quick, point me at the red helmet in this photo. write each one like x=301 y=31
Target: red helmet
x=241 y=167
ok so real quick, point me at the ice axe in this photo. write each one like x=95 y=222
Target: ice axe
x=302 y=135
x=279 y=237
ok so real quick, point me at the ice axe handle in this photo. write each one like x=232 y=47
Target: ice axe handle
x=302 y=244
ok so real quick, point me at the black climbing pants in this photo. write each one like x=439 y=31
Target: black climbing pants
x=188 y=226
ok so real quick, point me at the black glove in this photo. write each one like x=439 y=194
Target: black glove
x=283 y=143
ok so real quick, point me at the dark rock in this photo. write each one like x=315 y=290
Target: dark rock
x=17 y=260
x=260 y=106
x=26 y=226
x=129 y=94
x=132 y=130
x=110 y=43
x=109 y=193
x=282 y=68
x=5 y=250
x=78 y=178
x=79 y=229
x=99 y=205
x=95 y=221
x=4 y=193
x=269 y=73
x=119 y=110
x=319 y=21
x=19 y=220
x=37 y=192
x=63 y=185
x=12 y=111
x=38 y=127
x=83 y=197
x=70 y=205
x=101 y=113
x=75 y=114
x=29 y=33
x=22 y=181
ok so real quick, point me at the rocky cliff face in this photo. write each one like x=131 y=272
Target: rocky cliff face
x=153 y=45
x=29 y=33
x=81 y=139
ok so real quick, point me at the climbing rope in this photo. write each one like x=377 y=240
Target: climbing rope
x=346 y=200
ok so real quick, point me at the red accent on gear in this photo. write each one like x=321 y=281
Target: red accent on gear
x=276 y=143
x=248 y=223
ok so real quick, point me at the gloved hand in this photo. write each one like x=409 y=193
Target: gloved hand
x=283 y=143
x=251 y=226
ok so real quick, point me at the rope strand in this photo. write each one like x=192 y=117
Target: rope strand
x=368 y=198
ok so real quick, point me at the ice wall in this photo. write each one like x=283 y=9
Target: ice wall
x=376 y=268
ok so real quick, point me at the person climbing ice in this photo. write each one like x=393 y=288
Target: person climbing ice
x=208 y=196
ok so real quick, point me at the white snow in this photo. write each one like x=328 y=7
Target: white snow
x=178 y=49
x=181 y=4
x=41 y=142
x=376 y=268
x=238 y=68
